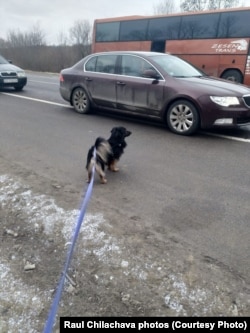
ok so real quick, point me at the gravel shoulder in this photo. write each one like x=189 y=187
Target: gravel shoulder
x=120 y=267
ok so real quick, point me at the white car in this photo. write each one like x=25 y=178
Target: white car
x=11 y=75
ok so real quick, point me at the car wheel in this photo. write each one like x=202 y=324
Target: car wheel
x=233 y=75
x=80 y=101
x=183 y=118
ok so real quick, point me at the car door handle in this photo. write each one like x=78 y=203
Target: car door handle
x=120 y=83
x=88 y=79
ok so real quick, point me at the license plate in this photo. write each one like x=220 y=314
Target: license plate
x=10 y=80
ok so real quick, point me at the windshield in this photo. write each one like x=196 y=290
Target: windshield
x=175 y=66
x=3 y=61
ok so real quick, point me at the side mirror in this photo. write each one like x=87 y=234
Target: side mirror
x=150 y=73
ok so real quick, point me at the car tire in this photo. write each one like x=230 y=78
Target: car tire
x=183 y=118
x=233 y=75
x=80 y=101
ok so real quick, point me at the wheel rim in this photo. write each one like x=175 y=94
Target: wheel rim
x=181 y=118
x=80 y=100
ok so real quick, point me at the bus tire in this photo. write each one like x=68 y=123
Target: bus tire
x=183 y=118
x=233 y=75
x=80 y=101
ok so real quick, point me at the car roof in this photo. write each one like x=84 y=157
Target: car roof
x=142 y=53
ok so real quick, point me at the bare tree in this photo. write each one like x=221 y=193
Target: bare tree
x=33 y=38
x=62 y=39
x=231 y=3
x=199 y=5
x=3 y=43
x=165 y=7
x=80 y=34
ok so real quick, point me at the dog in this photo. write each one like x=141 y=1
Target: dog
x=108 y=153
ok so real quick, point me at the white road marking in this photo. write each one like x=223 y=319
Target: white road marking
x=38 y=100
x=228 y=137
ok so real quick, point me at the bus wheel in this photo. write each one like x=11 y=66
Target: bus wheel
x=183 y=118
x=80 y=101
x=233 y=75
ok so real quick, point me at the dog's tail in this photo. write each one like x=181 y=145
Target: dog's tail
x=101 y=158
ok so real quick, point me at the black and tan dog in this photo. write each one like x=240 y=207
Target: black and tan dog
x=108 y=153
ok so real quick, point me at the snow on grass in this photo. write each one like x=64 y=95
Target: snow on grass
x=42 y=210
x=22 y=303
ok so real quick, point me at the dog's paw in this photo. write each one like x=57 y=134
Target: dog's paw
x=113 y=168
x=104 y=181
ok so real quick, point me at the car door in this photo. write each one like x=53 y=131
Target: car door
x=101 y=81
x=135 y=92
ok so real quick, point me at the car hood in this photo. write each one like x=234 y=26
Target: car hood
x=217 y=86
x=10 y=68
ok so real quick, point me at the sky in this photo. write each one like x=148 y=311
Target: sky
x=55 y=17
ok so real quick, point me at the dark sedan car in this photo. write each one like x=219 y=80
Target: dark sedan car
x=155 y=85
x=11 y=75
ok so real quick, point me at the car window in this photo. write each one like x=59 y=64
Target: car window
x=102 y=64
x=134 y=66
x=91 y=64
x=176 y=67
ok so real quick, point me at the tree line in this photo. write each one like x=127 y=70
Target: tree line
x=30 y=51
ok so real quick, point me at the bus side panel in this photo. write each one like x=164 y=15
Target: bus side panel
x=228 y=62
x=216 y=65
x=209 y=64
x=214 y=56
x=122 y=46
x=247 y=72
x=208 y=46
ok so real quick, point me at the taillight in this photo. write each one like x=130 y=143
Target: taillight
x=61 y=78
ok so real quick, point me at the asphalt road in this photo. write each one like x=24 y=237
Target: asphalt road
x=195 y=189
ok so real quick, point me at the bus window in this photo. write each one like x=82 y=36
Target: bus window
x=234 y=24
x=107 y=32
x=160 y=28
x=194 y=26
x=135 y=30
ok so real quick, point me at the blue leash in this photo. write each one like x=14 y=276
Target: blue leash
x=53 y=310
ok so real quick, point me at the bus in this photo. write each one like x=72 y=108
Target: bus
x=217 y=42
